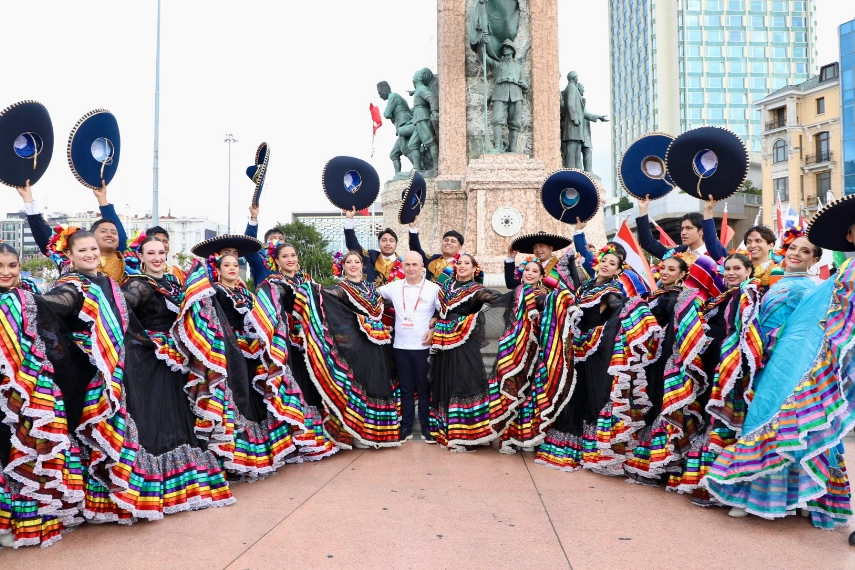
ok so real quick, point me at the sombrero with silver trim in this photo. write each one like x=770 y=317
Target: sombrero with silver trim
x=708 y=161
x=258 y=171
x=94 y=147
x=525 y=244
x=412 y=198
x=244 y=244
x=642 y=169
x=26 y=143
x=569 y=194
x=830 y=226
x=350 y=183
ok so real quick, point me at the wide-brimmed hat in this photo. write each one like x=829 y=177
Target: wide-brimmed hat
x=350 y=183
x=244 y=244
x=26 y=143
x=831 y=224
x=412 y=198
x=708 y=161
x=525 y=244
x=569 y=194
x=258 y=171
x=642 y=169
x=94 y=146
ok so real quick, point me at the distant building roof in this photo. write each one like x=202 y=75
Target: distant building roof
x=827 y=73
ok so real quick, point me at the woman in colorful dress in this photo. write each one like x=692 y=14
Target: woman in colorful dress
x=672 y=381
x=611 y=341
x=467 y=408
x=277 y=296
x=787 y=455
x=531 y=364
x=348 y=358
x=181 y=473
x=247 y=413
x=40 y=478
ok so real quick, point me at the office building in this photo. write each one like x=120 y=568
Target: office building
x=847 y=101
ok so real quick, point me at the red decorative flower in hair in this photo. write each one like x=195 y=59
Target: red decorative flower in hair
x=58 y=244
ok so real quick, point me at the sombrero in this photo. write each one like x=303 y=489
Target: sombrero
x=642 y=169
x=525 y=244
x=831 y=224
x=708 y=161
x=258 y=171
x=26 y=143
x=569 y=194
x=94 y=146
x=412 y=199
x=244 y=244
x=350 y=183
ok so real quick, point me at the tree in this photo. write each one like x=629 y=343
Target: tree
x=624 y=204
x=184 y=260
x=312 y=249
x=749 y=188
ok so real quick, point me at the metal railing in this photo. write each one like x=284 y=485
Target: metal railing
x=818 y=157
x=776 y=124
x=752 y=199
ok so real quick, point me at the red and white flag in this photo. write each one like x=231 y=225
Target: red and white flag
x=726 y=231
x=634 y=255
x=376 y=118
x=779 y=214
x=664 y=238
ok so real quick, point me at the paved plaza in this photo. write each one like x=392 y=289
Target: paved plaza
x=422 y=507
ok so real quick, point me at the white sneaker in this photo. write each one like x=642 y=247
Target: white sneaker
x=738 y=513
x=7 y=540
x=360 y=445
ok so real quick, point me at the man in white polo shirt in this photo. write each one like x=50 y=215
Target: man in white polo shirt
x=416 y=302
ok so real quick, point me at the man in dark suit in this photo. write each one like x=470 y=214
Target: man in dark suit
x=691 y=233
x=380 y=267
x=452 y=244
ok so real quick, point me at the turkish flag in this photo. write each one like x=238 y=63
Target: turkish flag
x=375 y=116
x=363 y=212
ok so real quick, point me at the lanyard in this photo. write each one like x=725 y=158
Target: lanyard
x=404 y=297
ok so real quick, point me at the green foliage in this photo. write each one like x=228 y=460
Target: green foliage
x=38 y=265
x=624 y=204
x=311 y=249
x=184 y=260
x=749 y=188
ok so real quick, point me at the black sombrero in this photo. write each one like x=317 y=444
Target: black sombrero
x=642 y=169
x=350 y=183
x=26 y=143
x=244 y=244
x=525 y=244
x=258 y=171
x=569 y=194
x=831 y=224
x=412 y=199
x=94 y=146
x=708 y=161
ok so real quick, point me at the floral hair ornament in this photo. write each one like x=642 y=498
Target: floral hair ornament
x=270 y=255
x=133 y=254
x=58 y=245
x=477 y=276
x=607 y=249
x=211 y=264
x=788 y=237
x=337 y=264
x=521 y=267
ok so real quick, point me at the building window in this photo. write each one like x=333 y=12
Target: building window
x=694 y=113
x=801 y=37
x=758 y=6
x=736 y=114
x=714 y=51
x=695 y=67
x=693 y=82
x=696 y=98
x=712 y=20
x=694 y=36
x=798 y=22
x=736 y=82
x=782 y=189
x=737 y=67
x=693 y=20
x=779 y=151
x=820 y=105
x=758 y=51
x=759 y=67
x=799 y=52
x=827 y=72
x=801 y=68
x=694 y=5
x=823 y=147
x=779 y=82
x=715 y=114
x=779 y=6
x=778 y=22
x=758 y=36
x=779 y=52
x=734 y=20
x=741 y=130
x=781 y=68
x=736 y=5
x=693 y=51
x=715 y=36
x=736 y=36
x=738 y=98
x=734 y=51
x=756 y=21
x=716 y=98
x=780 y=37
x=823 y=183
x=715 y=5
x=715 y=67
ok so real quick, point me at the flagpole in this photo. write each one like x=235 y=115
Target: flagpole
x=155 y=174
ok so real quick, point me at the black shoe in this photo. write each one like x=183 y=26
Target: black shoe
x=852 y=539
x=406 y=437
x=429 y=439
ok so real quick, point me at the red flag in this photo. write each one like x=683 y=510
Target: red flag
x=634 y=255
x=664 y=238
x=779 y=214
x=726 y=231
x=375 y=116
x=363 y=212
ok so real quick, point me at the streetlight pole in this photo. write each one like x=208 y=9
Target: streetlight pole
x=155 y=190
x=230 y=139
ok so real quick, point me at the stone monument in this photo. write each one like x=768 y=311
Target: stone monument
x=492 y=198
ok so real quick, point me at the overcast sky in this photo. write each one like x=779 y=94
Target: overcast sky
x=298 y=75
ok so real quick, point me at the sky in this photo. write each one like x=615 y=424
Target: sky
x=297 y=75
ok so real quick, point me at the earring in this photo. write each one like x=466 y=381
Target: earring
x=20 y=281
x=679 y=282
x=813 y=271
x=142 y=266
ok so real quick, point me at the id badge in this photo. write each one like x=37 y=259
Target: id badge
x=407 y=321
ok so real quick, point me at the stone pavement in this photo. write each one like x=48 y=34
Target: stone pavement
x=420 y=506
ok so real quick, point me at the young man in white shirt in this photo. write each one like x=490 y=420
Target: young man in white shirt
x=416 y=301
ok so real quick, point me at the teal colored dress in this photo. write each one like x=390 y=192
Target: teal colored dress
x=789 y=453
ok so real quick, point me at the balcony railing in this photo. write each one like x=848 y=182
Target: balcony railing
x=776 y=124
x=818 y=157
x=753 y=199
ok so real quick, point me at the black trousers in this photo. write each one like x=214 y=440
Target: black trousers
x=413 y=375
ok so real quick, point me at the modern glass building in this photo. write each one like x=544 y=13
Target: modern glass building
x=847 y=102
x=681 y=64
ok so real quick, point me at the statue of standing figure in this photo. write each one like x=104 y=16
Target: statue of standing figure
x=425 y=118
x=398 y=111
x=576 y=145
x=507 y=95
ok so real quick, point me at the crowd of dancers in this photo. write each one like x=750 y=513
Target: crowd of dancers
x=132 y=389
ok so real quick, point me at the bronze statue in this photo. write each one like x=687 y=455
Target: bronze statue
x=425 y=118
x=507 y=96
x=398 y=111
x=572 y=131
x=587 y=148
